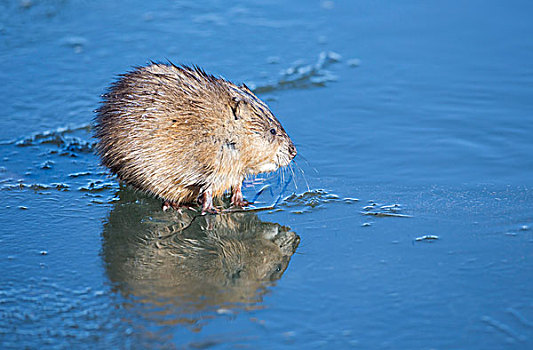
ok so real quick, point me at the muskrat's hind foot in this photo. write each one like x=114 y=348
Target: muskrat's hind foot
x=237 y=199
x=207 y=203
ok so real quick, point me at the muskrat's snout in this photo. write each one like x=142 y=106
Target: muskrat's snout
x=292 y=151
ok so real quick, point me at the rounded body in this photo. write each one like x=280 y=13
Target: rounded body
x=181 y=134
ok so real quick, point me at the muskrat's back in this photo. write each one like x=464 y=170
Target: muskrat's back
x=182 y=134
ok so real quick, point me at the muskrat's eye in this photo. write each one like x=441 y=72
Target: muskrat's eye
x=273 y=131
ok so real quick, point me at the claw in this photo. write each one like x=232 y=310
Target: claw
x=168 y=204
x=237 y=199
x=171 y=205
x=211 y=210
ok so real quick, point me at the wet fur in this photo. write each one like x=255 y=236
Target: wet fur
x=177 y=132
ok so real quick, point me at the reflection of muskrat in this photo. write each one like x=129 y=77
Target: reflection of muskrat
x=181 y=134
x=174 y=267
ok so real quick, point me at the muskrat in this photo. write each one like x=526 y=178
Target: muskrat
x=184 y=135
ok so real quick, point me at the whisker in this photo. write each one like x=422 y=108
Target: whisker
x=293 y=177
x=307 y=162
x=281 y=193
x=303 y=175
x=283 y=175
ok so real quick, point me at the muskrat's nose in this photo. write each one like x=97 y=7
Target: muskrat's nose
x=292 y=150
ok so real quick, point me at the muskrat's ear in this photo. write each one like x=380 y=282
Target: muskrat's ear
x=234 y=105
x=246 y=88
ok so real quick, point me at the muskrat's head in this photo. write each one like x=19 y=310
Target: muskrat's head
x=266 y=146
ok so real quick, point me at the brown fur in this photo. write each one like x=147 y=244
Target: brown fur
x=178 y=133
